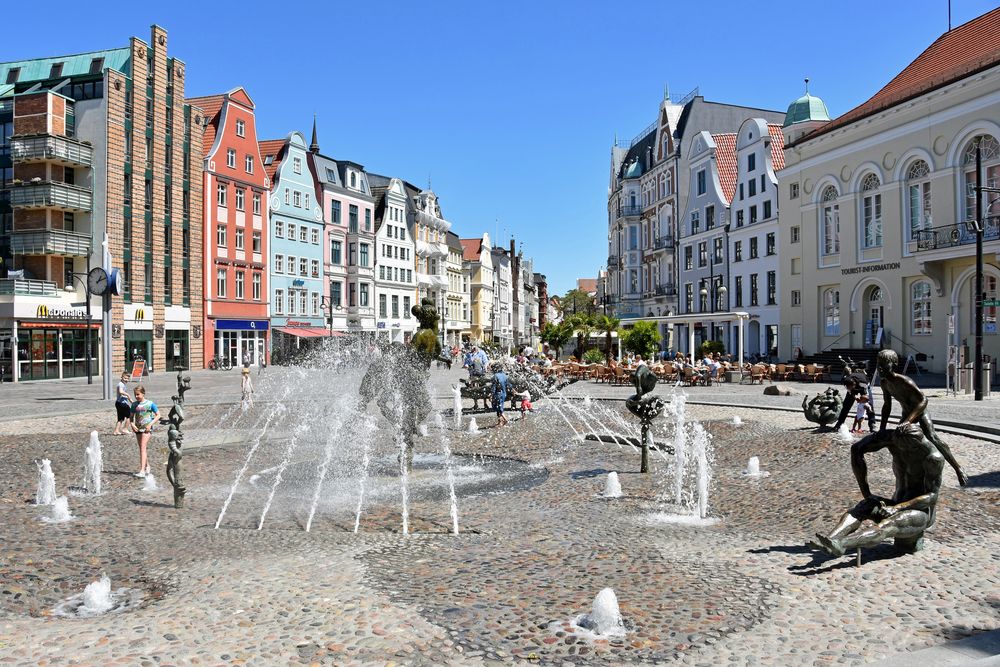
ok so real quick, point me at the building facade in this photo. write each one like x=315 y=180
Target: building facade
x=503 y=299
x=876 y=242
x=458 y=300
x=97 y=148
x=477 y=261
x=296 y=241
x=395 y=286
x=236 y=226
x=429 y=230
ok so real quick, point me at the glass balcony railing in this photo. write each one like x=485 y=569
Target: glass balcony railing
x=46 y=194
x=49 y=242
x=51 y=148
x=17 y=286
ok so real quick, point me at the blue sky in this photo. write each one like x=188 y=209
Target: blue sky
x=508 y=107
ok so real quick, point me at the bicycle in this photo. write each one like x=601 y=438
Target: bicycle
x=219 y=363
x=851 y=366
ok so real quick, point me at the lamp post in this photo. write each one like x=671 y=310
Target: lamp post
x=327 y=305
x=979 y=295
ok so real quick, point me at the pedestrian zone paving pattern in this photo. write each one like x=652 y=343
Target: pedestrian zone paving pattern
x=532 y=553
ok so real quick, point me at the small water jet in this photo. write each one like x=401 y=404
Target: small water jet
x=92 y=464
x=737 y=421
x=46 y=492
x=473 y=426
x=60 y=511
x=612 y=487
x=149 y=483
x=456 y=391
x=753 y=468
x=844 y=434
x=422 y=430
x=97 y=599
x=605 y=618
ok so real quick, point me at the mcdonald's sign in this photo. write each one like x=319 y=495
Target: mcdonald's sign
x=140 y=314
x=43 y=312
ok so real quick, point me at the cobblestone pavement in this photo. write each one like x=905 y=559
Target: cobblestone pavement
x=536 y=545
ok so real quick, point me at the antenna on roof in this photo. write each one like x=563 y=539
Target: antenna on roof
x=428 y=180
x=666 y=91
x=807 y=85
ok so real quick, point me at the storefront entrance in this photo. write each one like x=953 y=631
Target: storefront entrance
x=177 y=349
x=138 y=345
x=56 y=351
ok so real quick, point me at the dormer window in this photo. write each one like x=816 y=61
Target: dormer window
x=354 y=180
x=56 y=70
x=268 y=160
x=12 y=74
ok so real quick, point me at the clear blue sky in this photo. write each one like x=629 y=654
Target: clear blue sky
x=510 y=107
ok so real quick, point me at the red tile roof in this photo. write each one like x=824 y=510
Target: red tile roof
x=271 y=147
x=471 y=249
x=210 y=106
x=958 y=53
x=725 y=162
x=587 y=284
x=777 y=146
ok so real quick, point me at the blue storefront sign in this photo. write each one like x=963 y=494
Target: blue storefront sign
x=241 y=325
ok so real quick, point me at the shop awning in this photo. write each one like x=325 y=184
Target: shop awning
x=308 y=332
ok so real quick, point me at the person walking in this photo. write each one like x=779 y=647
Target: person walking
x=123 y=406
x=246 y=386
x=145 y=414
x=246 y=359
x=501 y=384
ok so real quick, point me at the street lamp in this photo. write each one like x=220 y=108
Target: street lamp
x=327 y=305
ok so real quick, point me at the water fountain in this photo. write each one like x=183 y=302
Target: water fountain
x=60 y=511
x=473 y=426
x=844 y=434
x=97 y=595
x=97 y=599
x=605 y=618
x=149 y=483
x=456 y=405
x=699 y=449
x=612 y=487
x=46 y=492
x=678 y=407
x=737 y=421
x=92 y=464
x=753 y=469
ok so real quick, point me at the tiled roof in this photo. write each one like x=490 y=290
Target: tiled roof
x=969 y=48
x=471 y=249
x=77 y=64
x=271 y=147
x=587 y=284
x=210 y=105
x=725 y=162
x=777 y=146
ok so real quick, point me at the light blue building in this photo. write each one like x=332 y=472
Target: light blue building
x=296 y=246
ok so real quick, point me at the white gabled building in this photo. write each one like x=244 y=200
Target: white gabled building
x=395 y=283
x=456 y=321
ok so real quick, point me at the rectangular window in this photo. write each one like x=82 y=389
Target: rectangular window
x=336 y=247
x=220 y=194
x=297 y=165
x=695 y=222
x=302 y=302
x=220 y=283
x=352 y=295
x=751 y=163
x=297 y=199
x=769 y=244
x=231 y=158
x=352 y=254
x=793 y=190
x=702 y=254
x=383 y=306
x=709 y=217
x=314 y=268
x=288 y=196
x=279 y=263
x=291 y=232
x=753 y=289
x=314 y=236
x=763 y=183
x=291 y=265
x=307 y=200
x=368 y=219
x=717 y=251
x=241 y=128
x=279 y=229
x=303 y=266
x=256 y=203
x=240 y=198
x=395 y=306
x=314 y=301
x=336 y=295
x=364 y=255
x=335 y=212
x=256 y=286
x=753 y=247
x=772 y=288
x=688 y=297
x=248 y=164
x=738 y=251
x=739 y=218
x=701 y=182
x=303 y=233
x=753 y=187
x=741 y=192
x=796 y=297
x=738 y=288
x=767 y=209
x=688 y=258
x=239 y=238
x=279 y=301
x=406 y=307
x=256 y=242
x=381 y=271
x=240 y=275
x=871 y=216
x=352 y=219
x=793 y=234
x=220 y=236
x=291 y=302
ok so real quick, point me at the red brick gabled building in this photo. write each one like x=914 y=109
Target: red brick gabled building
x=235 y=231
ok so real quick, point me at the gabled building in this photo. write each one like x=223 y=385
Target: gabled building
x=235 y=256
x=296 y=240
x=503 y=298
x=477 y=260
x=395 y=286
x=457 y=325
x=429 y=229
x=96 y=147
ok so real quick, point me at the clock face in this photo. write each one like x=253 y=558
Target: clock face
x=97 y=281
x=117 y=282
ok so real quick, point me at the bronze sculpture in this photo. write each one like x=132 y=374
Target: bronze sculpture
x=175 y=438
x=918 y=457
x=822 y=409
x=645 y=406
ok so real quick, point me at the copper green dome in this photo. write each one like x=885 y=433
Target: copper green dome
x=634 y=170
x=804 y=109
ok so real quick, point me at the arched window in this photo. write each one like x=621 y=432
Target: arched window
x=918 y=197
x=831 y=312
x=871 y=212
x=920 y=308
x=991 y=172
x=830 y=222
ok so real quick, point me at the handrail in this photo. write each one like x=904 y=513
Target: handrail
x=835 y=341
x=929 y=356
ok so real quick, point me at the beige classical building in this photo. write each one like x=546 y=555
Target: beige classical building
x=874 y=207
x=477 y=262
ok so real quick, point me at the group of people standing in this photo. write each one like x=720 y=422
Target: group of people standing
x=138 y=414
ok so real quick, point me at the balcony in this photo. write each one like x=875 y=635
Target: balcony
x=949 y=236
x=20 y=287
x=51 y=148
x=45 y=194
x=663 y=242
x=49 y=242
x=613 y=261
x=629 y=211
x=666 y=290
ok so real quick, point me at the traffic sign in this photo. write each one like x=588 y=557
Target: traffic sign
x=991 y=303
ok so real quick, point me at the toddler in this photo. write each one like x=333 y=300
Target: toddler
x=862 y=411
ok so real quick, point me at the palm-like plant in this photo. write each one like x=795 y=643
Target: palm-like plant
x=607 y=325
x=583 y=324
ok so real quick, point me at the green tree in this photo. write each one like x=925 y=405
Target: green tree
x=711 y=347
x=556 y=335
x=642 y=338
x=584 y=326
x=607 y=326
x=578 y=302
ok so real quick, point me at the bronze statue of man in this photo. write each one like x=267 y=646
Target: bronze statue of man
x=913 y=404
x=917 y=464
x=644 y=405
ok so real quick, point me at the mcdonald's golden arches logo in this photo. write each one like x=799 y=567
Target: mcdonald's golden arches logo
x=43 y=311
x=140 y=314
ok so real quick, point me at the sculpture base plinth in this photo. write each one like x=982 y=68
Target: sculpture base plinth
x=179 y=498
x=909 y=545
